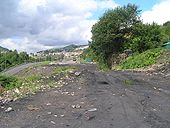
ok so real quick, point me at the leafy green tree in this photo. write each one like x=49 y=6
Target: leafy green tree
x=12 y=58
x=166 y=31
x=111 y=32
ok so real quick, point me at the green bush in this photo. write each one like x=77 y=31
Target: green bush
x=146 y=58
x=9 y=82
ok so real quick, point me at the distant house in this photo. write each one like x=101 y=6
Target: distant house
x=166 y=45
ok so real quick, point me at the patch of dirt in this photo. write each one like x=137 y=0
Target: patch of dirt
x=95 y=100
x=35 y=79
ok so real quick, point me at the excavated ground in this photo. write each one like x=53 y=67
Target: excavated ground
x=114 y=99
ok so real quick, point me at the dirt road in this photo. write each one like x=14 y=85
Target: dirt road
x=114 y=99
x=15 y=70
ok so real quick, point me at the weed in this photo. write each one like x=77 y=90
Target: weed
x=144 y=59
x=9 y=82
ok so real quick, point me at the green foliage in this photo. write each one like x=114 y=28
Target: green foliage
x=144 y=37
x=111 y=32
x=87 y=55
x=12 y=58
x=9 y=82
x=166 y=31
x=121 y=29
x=146 y=58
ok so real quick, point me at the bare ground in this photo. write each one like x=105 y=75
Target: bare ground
x=114 y=99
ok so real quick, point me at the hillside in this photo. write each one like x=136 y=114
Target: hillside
x=153 y=60
x=3 y=49
x=68 y=48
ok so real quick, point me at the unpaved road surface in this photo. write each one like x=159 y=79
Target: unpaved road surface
x=17 y=69
x=114 y=99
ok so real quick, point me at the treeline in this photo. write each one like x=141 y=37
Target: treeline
x=12 y=58
x=121 y=29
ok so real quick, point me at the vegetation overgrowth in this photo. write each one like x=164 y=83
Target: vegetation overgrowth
x=33 y=79
x=9 y=82
x=140 y=60
x=12 y=58
x=120 y=29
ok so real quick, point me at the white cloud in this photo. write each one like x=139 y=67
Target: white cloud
x=47 y=23
x=159 y=13
x=23 y=45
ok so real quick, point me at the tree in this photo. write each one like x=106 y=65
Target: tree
x=166 y=31
x=12 y=58
x=111 y=32
x=144 y=37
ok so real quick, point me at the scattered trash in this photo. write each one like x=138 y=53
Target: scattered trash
x=72 y=94
x=52 y=122
x=17 y=91
x=76 y=106
x=92 y=110
x=49 y=113
x=61 y=115
x=48 y=104
x=77 y=73
x=9 y=109
x=154 y=109
x=55 y=115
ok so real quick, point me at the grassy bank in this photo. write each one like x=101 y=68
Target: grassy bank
x=33 y=79
x=144 y=59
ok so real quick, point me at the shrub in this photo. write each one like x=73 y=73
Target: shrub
x=9 y=82
x=146 y=58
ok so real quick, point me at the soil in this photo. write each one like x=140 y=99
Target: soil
x=114 y=99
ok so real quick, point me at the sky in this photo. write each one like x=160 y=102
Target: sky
x=34 y=25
